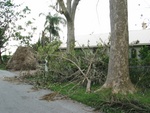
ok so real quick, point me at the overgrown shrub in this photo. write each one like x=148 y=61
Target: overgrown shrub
x=67 y=67
x=145 y=55
x=140 y=68
x=140 y=76
x=84 y=66
x=90 y=63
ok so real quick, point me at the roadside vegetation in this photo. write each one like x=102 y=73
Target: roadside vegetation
x=69 y=74
x=103 y=100
x=80 y=73
x=5 y=59
x=2 y=66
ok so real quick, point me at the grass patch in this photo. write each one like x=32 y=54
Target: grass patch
x=2 y=66
x=104 y=100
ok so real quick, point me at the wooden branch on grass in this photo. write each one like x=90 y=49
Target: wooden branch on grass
x=88 y=86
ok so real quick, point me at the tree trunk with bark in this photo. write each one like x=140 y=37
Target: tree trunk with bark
x=70 y=36
x=118 y=70
x=69 y=12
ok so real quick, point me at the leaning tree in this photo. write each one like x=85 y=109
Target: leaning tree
x=118 y=70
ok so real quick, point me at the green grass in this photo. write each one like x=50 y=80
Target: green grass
x=2 y=66
x=104 y=100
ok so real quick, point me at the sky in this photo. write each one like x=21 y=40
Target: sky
x=92 y=16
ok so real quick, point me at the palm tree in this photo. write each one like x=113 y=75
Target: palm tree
x=52 y=25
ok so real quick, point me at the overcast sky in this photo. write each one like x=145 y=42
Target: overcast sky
x=92 y=16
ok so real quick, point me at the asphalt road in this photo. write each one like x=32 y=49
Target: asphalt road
x=20 y=99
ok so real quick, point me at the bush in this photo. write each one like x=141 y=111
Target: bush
x=82 y=67
x=140 y=76
x=66 y=67
x=140 y=68
x=5 y=58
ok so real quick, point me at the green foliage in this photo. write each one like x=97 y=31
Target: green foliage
x=145 y=55
x=77 y=66
x=134 y=62
x=10 y=14
x=48 y=49
x=140 y=76
x=140 y=68
x=104 y=100
x=6 y=58
x=65 y=67
x=3 y=40
x=26 y=10
x=36 y=45
x=52 y=27
x=3 y=66
x=65 y=77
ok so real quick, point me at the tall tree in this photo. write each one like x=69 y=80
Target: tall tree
x=2 y=40
x=52 y=25
x=5 y=19
x=69 y=11
x=8 y=28
x=118 y=70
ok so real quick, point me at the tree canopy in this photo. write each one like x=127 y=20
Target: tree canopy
x=51 y=25
x=10 y=14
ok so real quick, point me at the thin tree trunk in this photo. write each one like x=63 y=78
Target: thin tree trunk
x=1 y=61
x=50 y=37
x=88 y=86
x=43 y=39
x=118 y=70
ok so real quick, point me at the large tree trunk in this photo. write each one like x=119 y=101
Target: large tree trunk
x=118 y=70
x=71 y=37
